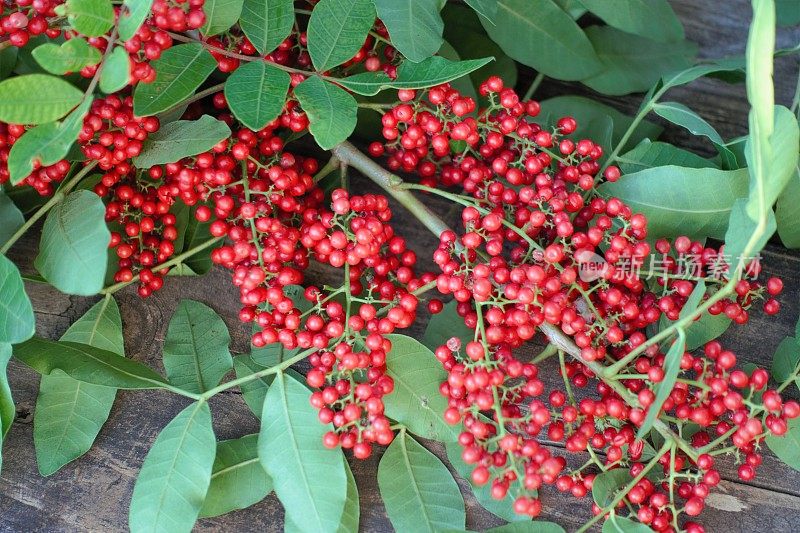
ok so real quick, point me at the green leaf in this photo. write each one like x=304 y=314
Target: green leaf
x=672 y=367
x=503 y=508
x=620 y=524
x=337 y=30
x=71 y=56
x=706 y=328
x=545 y=38
x=179 y=72
x=741 y=230
x=116 y=71
x=446 y=325
x=683 y=116
x=72 y=250
x=182 y=138
x=761 y=120
x=785 y=360
x=331 y=111
x=463 y=30
x=255 y=391
x=8 y=60
x=607 y=483
x=485 y=8
x=16 y=313
x=7 y=410
x=787 y=212
x=415 y=28
x=538 y=526
x=197 y=233
x=256 y=93
x=585 y=111
x=417 y=489
x=787 y=447
x=648 y=154
x=36 y=98
x=291 y=450
x=267 y=22
x=632 y=63
x=220 y=15
x=432 y=71
x=352 y=511
x=176 y=474
x=132 y=17
x=47 y=143
x=11 y=218
x=70 y=413
x=681 y=201
x=416 y=401
x=653 y=19
x=237 y=478
x=784 y=146
x=692 y=73
x=787 y=12
x=92 y=18
x=86 y=363
x=196 y=355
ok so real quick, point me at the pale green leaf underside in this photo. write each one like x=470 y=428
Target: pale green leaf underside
x=416 y=401
x=291 y=450
x=176 y=474
x=196 y=354
x=74 y=244
x=417 y=489
x=69 y=414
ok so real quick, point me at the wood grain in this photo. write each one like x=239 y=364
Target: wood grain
x=92 y=493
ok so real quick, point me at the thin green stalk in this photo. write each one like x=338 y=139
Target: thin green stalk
x=549 y=351
x=257 y=375
x=534 y=85
x=329 y=167
x=55 y=199
x=796 y=100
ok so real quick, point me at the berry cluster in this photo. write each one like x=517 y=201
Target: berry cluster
x=147 y=45
x=532 y=224
x=178 y=15
x=22 y=19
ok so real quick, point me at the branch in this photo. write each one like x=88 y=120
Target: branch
x=393 y=184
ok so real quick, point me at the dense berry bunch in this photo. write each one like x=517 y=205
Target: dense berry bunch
x=178 y=15
x=540 y=248
x=22 y=19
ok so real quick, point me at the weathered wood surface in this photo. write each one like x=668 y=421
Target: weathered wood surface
x=92 y=493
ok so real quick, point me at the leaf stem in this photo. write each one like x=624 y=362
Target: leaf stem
x=257 y=375
x=329 y=167
x=56 y=198
x=111 y=289
x=234 y=55
x=534 y=85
